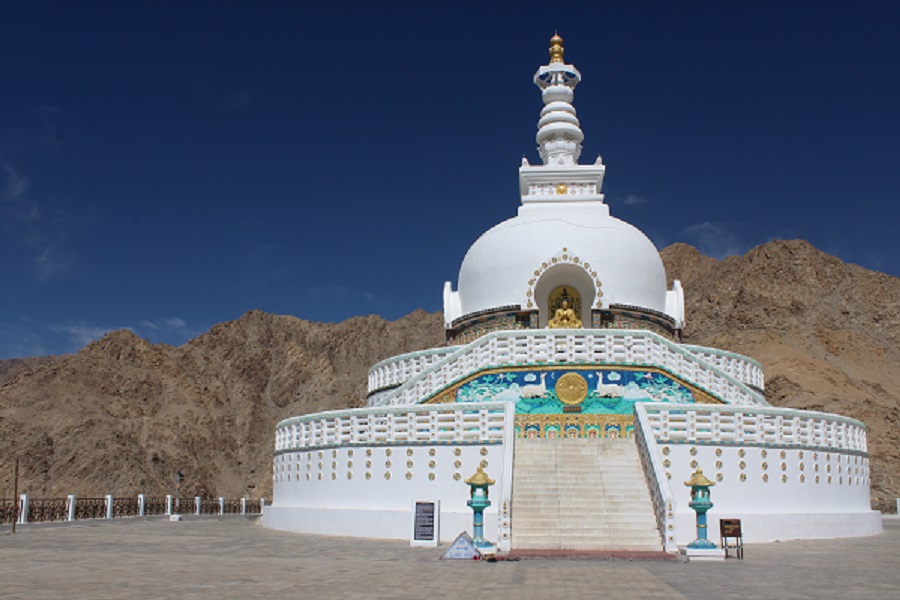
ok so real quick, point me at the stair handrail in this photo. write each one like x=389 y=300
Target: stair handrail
x=663 y=502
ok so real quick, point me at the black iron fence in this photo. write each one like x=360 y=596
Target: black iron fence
x=37 y=510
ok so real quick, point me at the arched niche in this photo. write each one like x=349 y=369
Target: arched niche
x=573 y=277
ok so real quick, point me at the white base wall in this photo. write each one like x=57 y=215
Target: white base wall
x=379 y=524
x=773 y=527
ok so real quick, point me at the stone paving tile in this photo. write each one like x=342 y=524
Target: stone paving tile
x=237 y=558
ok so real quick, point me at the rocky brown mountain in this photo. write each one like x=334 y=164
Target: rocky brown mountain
x=122 y=416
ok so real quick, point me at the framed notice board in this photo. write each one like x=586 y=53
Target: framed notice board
x=426 y=523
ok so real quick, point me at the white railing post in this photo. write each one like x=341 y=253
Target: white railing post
x=70 y=507
x=168 y=504
x=221 y=505
x=109 y=506
x=243 y=506
x=23 y=509
x=197 y=501
x=142 y=505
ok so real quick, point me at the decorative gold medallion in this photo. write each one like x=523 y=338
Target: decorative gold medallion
x=571 y=389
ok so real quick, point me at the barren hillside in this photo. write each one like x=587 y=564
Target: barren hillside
x=122 y=415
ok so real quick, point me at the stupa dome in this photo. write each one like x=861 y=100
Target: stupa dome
x=521 y=260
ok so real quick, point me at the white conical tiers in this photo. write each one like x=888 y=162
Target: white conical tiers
x=563 y=234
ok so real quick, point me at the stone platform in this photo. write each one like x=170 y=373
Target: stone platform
x=235 y=557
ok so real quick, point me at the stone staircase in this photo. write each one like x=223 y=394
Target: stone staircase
x=581 y=494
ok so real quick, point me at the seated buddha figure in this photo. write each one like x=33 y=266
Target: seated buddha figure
x=564 y=318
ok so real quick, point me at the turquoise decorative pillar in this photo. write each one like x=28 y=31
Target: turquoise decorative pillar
x=701 y=503
x=479 y=483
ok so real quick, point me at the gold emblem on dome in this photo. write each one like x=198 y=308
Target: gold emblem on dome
x=571 y=389
x=562 y=189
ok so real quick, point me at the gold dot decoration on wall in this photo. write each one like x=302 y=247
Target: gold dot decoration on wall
x=742 y=453
x=784 y=479
x=321 y=454
x=693 y=451
x=765 y=478
x=743 y=477
x=763 y=453
x=409 y=464
x=484 y=451
x=350 y=452
x=666 y=450
x=457 y=451
x=334 y=464
x=765 y=465
x=828 y=468
x=817 y=479
x=802 y=466
x=320 y=465
x=432 y=464
x=456 y=476
x=409 y=474
x=802 y=478
x=829 y=479
x=320 y=477
x=368 y=452
x=719 y=477
x=668 y=475
x=800 y=454
x=388 y=464
x=388 y=452
x=368 y=464
x=349 y=464
x=387 y=474
x=742 y=465
x=333 y=475
x=368 y=475
x=694 y=464
x=431 y=476
x=307 y=476
x=409 y=451
x=457 y=463
x=783 y=454
x=718 y=464
x=816 y=467
x=349 y=475
x=718 y=452
x=334 y=454
x=784 y=466
x=484 y=464
x=432 y=452
x=667 y=463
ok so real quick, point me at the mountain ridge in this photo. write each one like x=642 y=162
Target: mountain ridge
x=122 y=415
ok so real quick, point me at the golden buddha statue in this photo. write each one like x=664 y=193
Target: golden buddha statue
x=565 y=318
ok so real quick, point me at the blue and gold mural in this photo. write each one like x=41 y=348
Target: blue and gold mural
x=610 y=392
x=573 y=401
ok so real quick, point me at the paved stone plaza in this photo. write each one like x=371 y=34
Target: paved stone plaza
x=237 y=558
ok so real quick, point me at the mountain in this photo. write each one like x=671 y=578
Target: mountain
x=122 y=415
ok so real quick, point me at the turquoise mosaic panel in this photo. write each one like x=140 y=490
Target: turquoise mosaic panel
x=610 y=392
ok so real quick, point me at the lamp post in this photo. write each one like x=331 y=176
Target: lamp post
x=479 y=483
x=701 y=503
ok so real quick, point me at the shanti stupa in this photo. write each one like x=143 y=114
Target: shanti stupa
x=564 y=378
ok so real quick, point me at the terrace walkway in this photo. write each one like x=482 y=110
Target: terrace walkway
x=234 y=557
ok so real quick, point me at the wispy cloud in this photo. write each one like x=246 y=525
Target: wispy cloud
x=634 y=200
x=714 y=239
x=38 y=230
x=79 y=334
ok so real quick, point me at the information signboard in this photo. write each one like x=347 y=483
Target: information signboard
x=426 y=516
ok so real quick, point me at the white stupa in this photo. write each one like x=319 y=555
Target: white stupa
x=564 y=378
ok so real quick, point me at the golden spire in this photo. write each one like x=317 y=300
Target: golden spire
x=556 y=49
x=698 y=478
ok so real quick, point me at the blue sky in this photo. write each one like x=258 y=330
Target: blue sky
x=165 y=166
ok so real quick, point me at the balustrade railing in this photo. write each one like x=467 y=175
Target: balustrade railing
x=716 y=424
x=397 y=369
x=154 y=506
x=475 y=422
x=726 y=377
x=657 y=483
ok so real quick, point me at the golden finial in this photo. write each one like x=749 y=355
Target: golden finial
x=698 y=478
x=556 y=49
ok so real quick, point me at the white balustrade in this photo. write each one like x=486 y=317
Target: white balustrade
x=476 y=422
x=725 y=375
x=717 y=424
